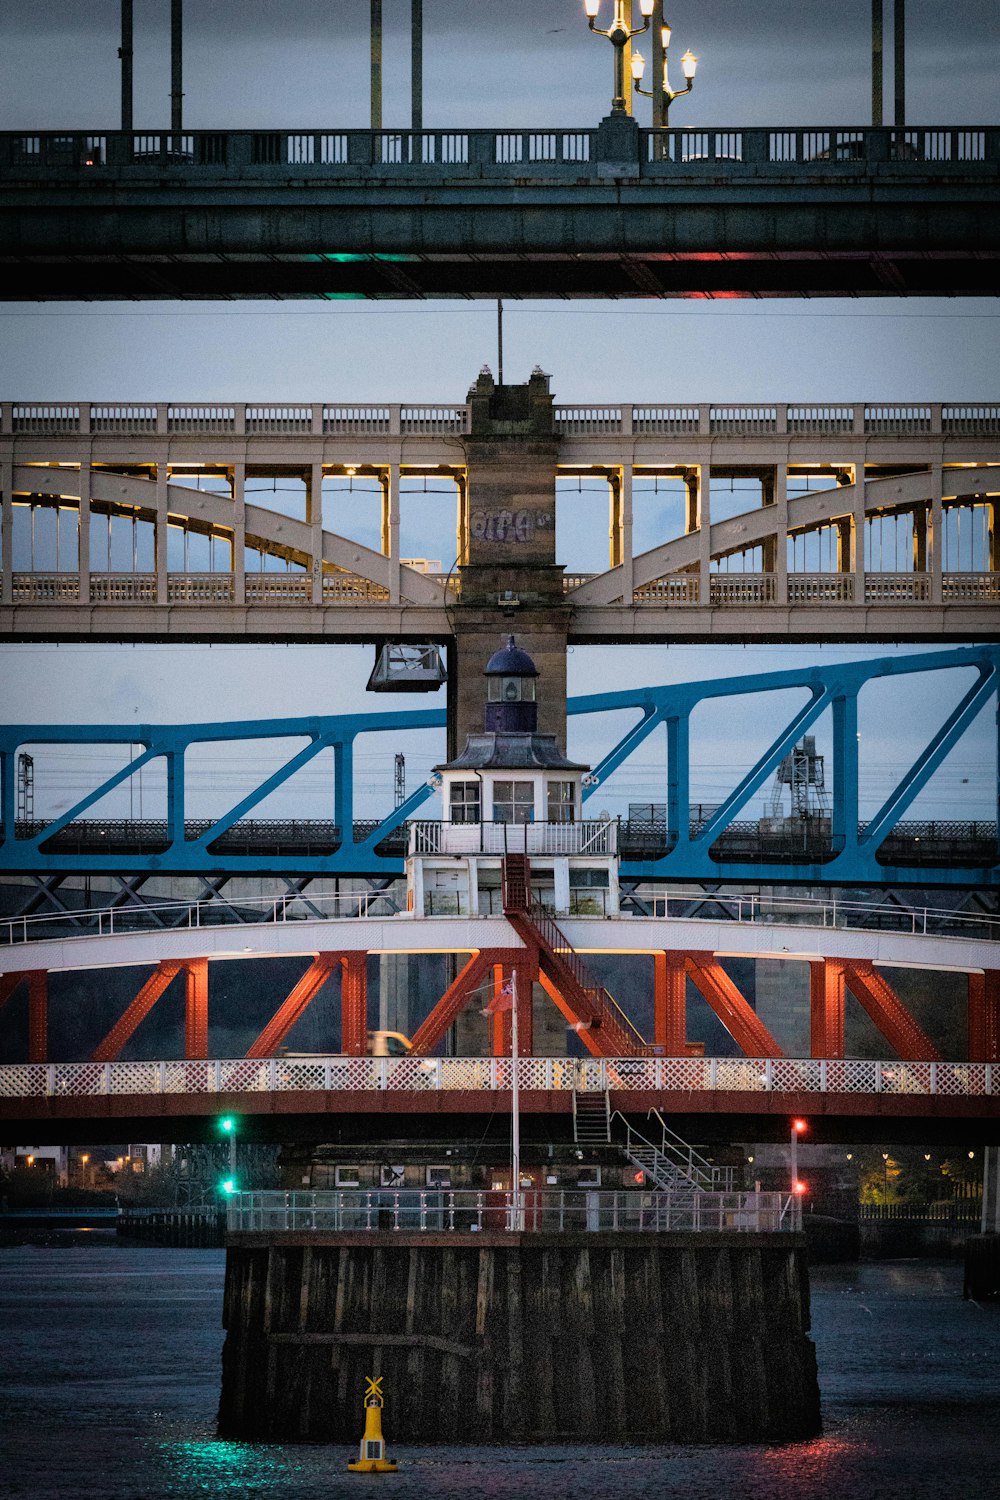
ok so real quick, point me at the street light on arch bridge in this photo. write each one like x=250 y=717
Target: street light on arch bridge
x=619 y=34
x=663 y=95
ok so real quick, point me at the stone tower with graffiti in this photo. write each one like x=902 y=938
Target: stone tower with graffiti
x=510 y=579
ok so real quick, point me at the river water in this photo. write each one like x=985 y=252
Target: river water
x=109 y=1374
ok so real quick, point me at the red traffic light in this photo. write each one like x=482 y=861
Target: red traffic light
x=800 y=1189
x=800 y=1126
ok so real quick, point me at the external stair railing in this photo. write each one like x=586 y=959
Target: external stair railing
x=600 y=1010
x=591 y=1118
x=671 y=1162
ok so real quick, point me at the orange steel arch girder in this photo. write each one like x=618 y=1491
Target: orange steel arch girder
x=353 y=1004
x=37 y=981
x=830 y=980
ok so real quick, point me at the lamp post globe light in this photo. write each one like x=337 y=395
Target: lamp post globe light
x=619 y=34
x=663 y=95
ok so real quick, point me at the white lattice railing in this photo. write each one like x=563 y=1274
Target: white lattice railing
x=652 y=1075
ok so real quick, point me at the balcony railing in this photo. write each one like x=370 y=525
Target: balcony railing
x=590 y=836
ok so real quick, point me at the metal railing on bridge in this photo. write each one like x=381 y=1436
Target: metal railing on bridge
x=413 y=1075
x=307 y=155
x=529 y=1211
x=366 y=905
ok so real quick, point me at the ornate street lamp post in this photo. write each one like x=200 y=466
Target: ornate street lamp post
x=663 y=95
x=619 y=34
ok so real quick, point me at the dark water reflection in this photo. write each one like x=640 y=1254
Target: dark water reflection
x=110 y=1368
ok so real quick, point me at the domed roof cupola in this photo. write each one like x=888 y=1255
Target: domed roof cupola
x=510 y=700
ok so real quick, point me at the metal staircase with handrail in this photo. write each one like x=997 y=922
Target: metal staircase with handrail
x=604 y=1027
x=671 y=1162
x=591 y=1118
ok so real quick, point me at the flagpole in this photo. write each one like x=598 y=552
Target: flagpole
x=515 y=1126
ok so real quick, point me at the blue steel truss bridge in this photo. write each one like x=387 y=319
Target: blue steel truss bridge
x=676 y=842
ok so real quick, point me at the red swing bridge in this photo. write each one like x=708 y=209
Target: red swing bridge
x=622 y=1069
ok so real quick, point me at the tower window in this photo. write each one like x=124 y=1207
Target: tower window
x=561 y=802
x=513 y=802
x=465 y=805
x=511 y=690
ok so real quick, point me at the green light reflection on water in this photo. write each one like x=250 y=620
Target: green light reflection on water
x=215 y=1466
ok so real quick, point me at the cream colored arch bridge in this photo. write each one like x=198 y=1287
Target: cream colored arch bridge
x=805 y=563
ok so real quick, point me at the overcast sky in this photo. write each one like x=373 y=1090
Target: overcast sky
x=516 y=62
x=304 y=62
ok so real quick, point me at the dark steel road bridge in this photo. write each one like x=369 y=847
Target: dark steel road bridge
x=611 y=211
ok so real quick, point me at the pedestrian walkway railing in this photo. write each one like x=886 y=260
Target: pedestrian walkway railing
x=552 y=1211
x=678 y=905
x=588 y=420
x=331 y=154
x=732 y=1076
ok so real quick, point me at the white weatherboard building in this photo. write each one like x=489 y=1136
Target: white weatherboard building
x=511 y=790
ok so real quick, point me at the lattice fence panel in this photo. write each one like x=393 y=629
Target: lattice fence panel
x=853 y=1076
x=189 y=1077
x=132 y=1078
x=906 y=1078
x=796 y=1075
x=961 y=1079
x=691 y=1073
x=77 y=1080
x=247 y=1075
x=744 y=1074
x=22 y=1081
x=471 y=1072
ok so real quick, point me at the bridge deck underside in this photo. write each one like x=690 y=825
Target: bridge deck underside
x=129 y=274
x=422 y=1115
x=774 y=238
x=611 y=211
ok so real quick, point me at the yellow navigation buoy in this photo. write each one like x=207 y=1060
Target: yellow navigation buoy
x=372 y=1459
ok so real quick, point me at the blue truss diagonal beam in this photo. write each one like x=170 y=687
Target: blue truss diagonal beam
x=768 y=762
x=397 y=816
x=64 y=819
x=251 y=800
x=927 y=763
x=630 y=741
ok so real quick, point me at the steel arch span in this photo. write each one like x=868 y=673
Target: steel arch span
x=876 y=852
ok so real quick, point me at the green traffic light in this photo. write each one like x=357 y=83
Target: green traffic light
x=229 y=1186
x=228 y=1124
